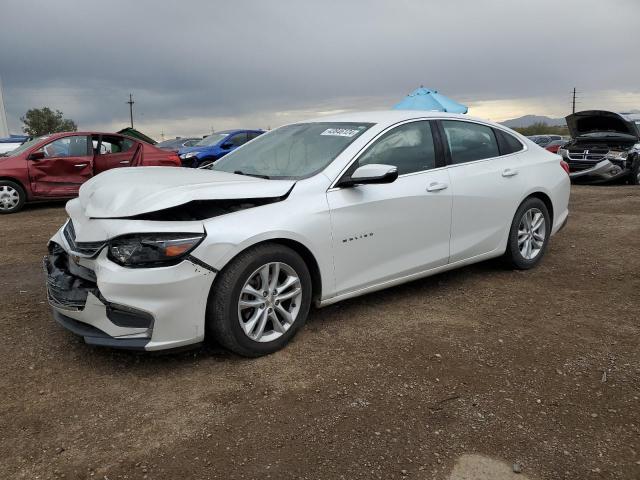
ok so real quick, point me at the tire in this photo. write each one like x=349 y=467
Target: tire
x=205 y=163
x=634 y=176
x=230 y=323
x=536 y=239
x=12 y=197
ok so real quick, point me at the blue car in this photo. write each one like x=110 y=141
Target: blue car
x=215 y=146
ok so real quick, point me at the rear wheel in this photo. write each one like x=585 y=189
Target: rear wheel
x=260 y=300
x=529 y=234
x=12 y=197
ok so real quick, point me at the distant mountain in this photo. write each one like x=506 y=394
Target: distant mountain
x=529 y=120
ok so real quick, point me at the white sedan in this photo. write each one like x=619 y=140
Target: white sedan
x=313 y=212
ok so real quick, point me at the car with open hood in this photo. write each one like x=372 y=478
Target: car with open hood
x=215 y=146
x=605 y=146
x=54 y=166
x=307 y=214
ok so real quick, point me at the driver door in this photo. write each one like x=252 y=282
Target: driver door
x=388 y=231
x=61 y=166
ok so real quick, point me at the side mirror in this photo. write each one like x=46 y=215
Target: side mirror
x=226 y=145
x=36 y=156
x=370 y=174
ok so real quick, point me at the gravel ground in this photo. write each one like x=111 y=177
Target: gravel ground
x=538 y=368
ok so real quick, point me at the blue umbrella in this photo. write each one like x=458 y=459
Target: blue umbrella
x=426 y=99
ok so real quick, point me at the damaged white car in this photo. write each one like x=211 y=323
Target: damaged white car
x=310 y=213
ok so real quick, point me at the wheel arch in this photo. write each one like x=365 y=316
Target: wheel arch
x=18 y=182
x=307 y=256
x=546 y=199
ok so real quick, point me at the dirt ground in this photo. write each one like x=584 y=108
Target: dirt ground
x=538 y=368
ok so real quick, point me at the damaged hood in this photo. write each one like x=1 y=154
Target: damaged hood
x=127 y=192
x=600 y=121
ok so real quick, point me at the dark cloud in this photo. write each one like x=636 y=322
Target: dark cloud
x=204 y=59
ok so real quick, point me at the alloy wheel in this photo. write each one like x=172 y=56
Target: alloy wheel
x=9 y=197
x=269 y=302
x=532 y=232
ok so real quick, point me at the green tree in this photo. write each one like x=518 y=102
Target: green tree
x=42 y=121
x=542 y=128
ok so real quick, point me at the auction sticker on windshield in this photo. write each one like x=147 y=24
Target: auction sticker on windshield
x=340 y=132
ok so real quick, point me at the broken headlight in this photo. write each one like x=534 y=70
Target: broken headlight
x=617 y=155
x=152 y=250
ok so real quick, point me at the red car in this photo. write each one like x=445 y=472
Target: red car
x=54 y=166
x=555 y=145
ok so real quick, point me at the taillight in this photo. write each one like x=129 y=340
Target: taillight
x=175 y=159
x=565 y=166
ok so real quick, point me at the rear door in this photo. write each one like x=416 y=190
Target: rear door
x=66 y=164
x=113 y=151
x=486 y=186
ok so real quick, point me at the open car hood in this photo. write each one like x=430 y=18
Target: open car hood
x=603 y=121
x=127 y=192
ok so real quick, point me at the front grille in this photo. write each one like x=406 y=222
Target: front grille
x=88 y=249
x=65 y=289
x=590 y=155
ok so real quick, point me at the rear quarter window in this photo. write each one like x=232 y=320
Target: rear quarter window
x=508 y=143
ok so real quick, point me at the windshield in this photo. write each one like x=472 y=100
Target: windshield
x=26 y=146
x=293 y=151
x=211 y=139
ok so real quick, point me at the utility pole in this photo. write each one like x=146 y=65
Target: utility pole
x=131 y=102
x=573 y=103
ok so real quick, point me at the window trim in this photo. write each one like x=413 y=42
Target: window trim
x=440 y=160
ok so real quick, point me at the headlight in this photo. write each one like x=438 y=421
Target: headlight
x=617 y=155
x=152 y=250
x=184 y=156
x=563 y=152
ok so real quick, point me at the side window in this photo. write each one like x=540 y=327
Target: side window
x=253 y=135
x=74 y=146
x=507 y=142
x=469 y=141
x=238 y=139
x=113 y=144
x=408 y=147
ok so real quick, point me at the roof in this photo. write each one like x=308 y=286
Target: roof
x=132 y=132
x=391 y=116
x=239 y=130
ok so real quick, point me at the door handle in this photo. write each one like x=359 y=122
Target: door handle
x=80 y=165
x=125 y=162
x=508 y=172
x=436 y=187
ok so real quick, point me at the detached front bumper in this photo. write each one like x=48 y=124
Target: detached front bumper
x=130 y=308
x=604 y=170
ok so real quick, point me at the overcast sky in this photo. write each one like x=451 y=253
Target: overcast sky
x=196 y=65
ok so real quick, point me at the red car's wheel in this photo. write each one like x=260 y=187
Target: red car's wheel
x=12 y=197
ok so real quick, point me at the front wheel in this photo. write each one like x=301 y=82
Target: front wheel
x=529 y=234
x=260 y=300
x=12 y=197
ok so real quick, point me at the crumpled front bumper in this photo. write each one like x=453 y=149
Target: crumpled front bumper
x=604 y=170
x=131 y=308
